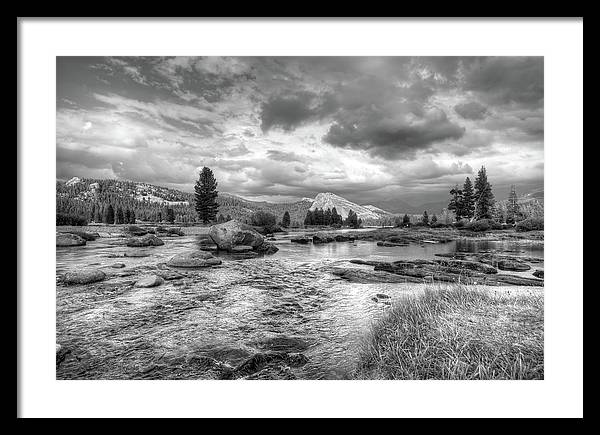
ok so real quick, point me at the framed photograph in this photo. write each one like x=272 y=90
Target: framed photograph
x=350 y=209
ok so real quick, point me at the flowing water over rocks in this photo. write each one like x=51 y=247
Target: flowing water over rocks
x=290 y=315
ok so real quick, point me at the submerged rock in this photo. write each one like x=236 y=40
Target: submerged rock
x=149 y=281
x=302 y=239
x=194 y=259
x=83 y=276
x=391 y=244
x=117 y=265
x=233 y=233
x=539 y=273
x=147 y=240
x=67 y=239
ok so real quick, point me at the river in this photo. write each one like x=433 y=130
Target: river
x=285 y=302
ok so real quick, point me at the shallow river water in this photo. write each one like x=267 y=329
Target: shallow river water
x=287 y=302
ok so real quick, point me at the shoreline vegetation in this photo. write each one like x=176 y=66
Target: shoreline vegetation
x=457 y=332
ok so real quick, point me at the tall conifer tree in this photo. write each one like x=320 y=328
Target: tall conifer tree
x=206 y=196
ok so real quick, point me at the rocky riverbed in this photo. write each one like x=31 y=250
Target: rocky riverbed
x=129 y=307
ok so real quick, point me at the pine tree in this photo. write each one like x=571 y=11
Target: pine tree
x=456 y=202
x=425 y=219
x=309 y=219
x=109 y=215
x=119 y=217
x=352 y=219
x=335 y=217
x=127 y=216
x=434 y=219
x=327 y=217
x=406 y=220
x=468 y=200
x=170 y=215
x=132 y=217
x=285 y=221
x=206 y=196
x=512 y=207
x=484 y=198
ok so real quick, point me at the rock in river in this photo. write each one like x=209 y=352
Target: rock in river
x=134 y=230
x=516 y=266
x=83 y=276
x=321 y=237
x=67 y=239
x=234 y=233
x=147 y=240
x=194 y=259
x=539 y=273
x=86 y=235
x=302 y=239
x=149 y=281
x=267 y=248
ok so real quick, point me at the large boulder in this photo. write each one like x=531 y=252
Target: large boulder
x=234 y=233
x=147 y=240
x=66 y=239
x=83 y=276
x=194 y=259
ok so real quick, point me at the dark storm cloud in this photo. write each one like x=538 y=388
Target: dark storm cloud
x=504 y=80
x=471 y=110
x=392 y=138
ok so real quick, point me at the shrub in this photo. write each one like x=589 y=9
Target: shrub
x=530 y=224
x=460 y=224
x=70 y=219
x=264 y=219
x=483 y=225
x=440 y=225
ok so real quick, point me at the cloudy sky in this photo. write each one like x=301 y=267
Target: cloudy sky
x=276 y=128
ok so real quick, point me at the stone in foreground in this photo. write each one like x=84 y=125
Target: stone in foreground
x=83 y=276
x=147 y=240
x=194 y=259
x=67 y=239
x=233 y=233
x=149 y=281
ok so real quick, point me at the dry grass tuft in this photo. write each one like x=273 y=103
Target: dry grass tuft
x=457 y=333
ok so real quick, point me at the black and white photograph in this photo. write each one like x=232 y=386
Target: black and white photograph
x=248 y=219
x=300 y=218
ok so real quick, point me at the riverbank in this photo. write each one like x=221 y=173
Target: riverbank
x=457 y=332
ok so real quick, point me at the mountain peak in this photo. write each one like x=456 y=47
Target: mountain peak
x=329 y=200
